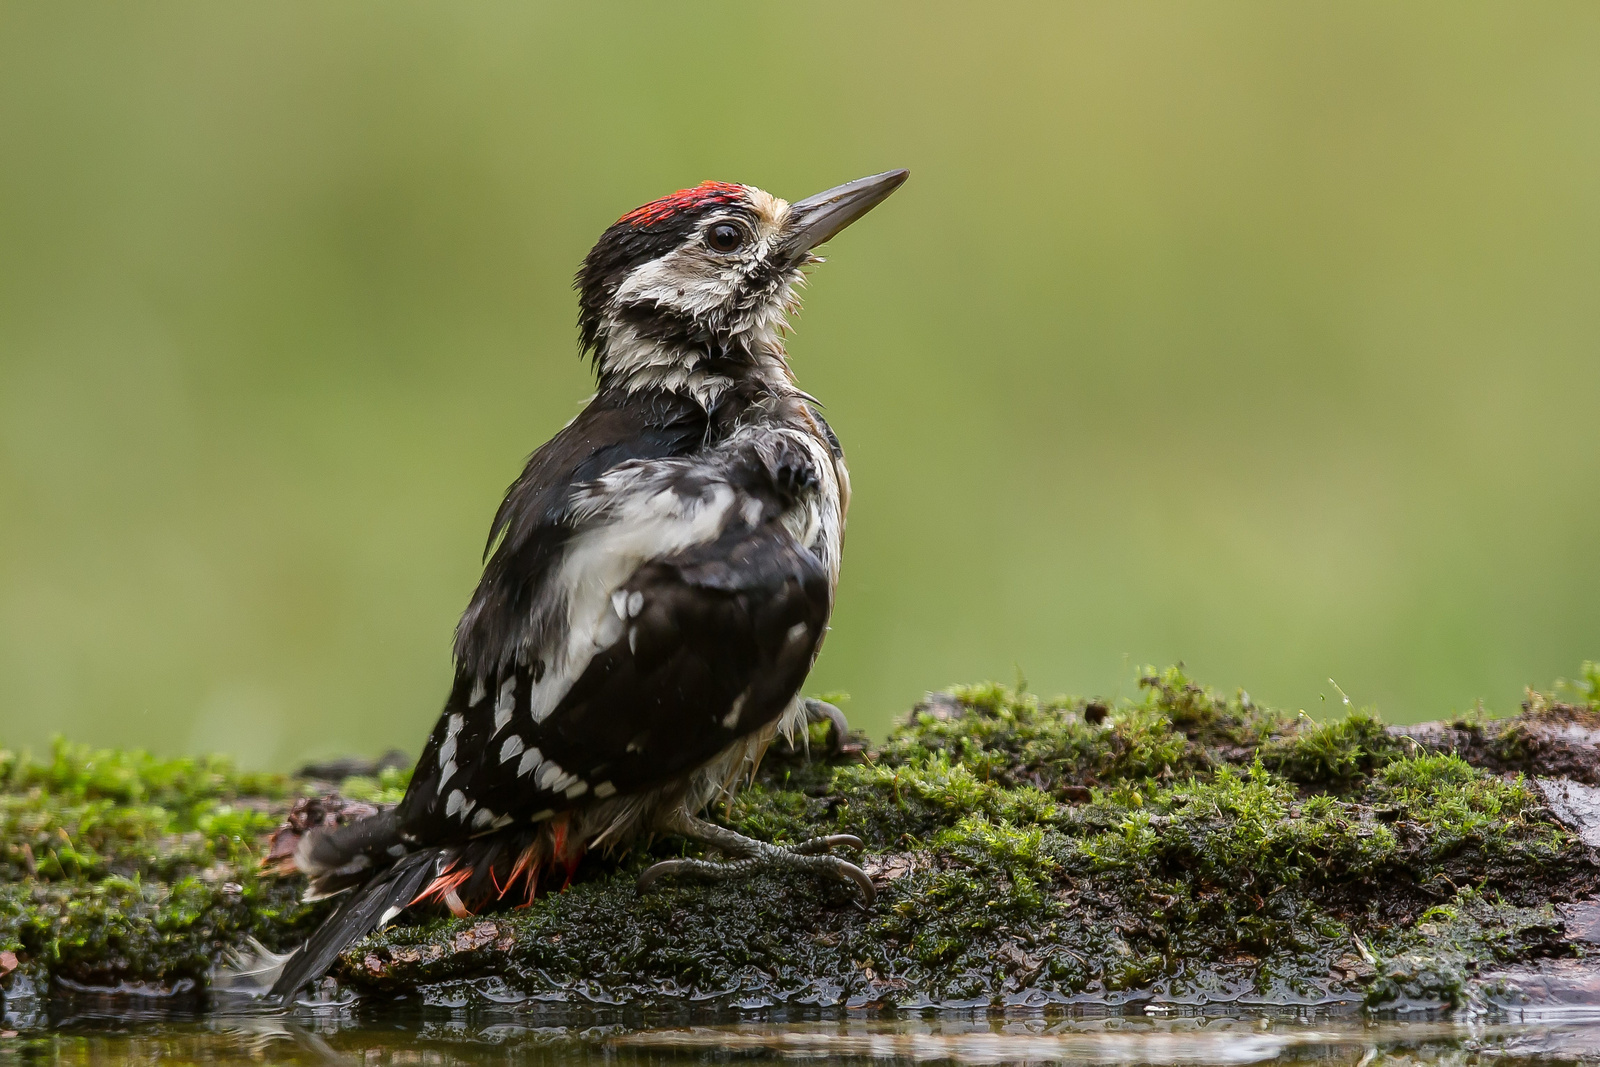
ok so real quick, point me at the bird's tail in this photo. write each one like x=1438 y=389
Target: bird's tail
x=338 y=857
x=365 y=909
x=368 y=859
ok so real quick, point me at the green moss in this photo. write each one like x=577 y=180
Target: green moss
x=1012 y=738
x=1432 y=963
x=1185 y=844
x=1468 y=822
x=121 y=867
x=1337 y=755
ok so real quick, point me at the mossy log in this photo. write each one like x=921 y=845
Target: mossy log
x=1184 y=848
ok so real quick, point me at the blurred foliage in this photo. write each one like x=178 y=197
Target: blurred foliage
x=1256 y=336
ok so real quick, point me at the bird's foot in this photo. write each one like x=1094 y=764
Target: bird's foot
x=816 y=711
x=822 y=711
x=753 y=857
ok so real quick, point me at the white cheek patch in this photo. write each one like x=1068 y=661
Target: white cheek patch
x=685 y=280
x=695 y=280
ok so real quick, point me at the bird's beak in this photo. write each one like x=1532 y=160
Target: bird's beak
x=818 y=218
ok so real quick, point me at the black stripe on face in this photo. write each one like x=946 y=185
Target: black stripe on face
x=716 y=350
x=620 y=250
x=665 y=326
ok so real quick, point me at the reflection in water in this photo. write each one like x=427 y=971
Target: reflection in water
x=338 y=1036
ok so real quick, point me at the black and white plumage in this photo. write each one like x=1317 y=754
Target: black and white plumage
x=657 y=585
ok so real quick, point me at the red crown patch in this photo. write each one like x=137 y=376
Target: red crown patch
x=683 y=200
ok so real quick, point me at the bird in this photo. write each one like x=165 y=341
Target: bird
x=657 y=584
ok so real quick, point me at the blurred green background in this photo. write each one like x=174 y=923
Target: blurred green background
x=1258 y=336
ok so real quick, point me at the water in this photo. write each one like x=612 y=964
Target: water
x=340 y=1035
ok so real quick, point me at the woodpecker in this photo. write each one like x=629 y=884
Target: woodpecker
x=657 y=584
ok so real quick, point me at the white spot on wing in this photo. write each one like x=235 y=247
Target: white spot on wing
x=553 y=778
x=604 y=789
x=541 y=816
x=751 y=510
x=512 y=746
x=530 y=760
x=549 y=774
x=504 y=820
x=619 y=603
x=389 y=914
x=458 y=804
x=483 y=818
x=798 y=632
x=635 y=603
x=478 y=693
x=506 y=703
x=577 y=789
x=445 y=775
x=447 y=751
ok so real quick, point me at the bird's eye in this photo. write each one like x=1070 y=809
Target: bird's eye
x=724 y=237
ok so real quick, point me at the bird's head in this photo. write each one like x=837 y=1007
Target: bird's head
x=691 y=291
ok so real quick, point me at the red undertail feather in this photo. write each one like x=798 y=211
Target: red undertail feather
x=479 y=876
x=562 y=852
x=527 y=868
x=443 y=888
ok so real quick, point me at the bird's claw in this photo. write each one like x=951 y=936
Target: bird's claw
x=817 y=845
x=666 y=869
x=808 y=856
x=822 y=711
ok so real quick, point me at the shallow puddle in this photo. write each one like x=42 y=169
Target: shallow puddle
x=340 y=1036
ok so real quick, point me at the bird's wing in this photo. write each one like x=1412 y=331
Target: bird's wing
x=538 y=517
x=666 y=666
